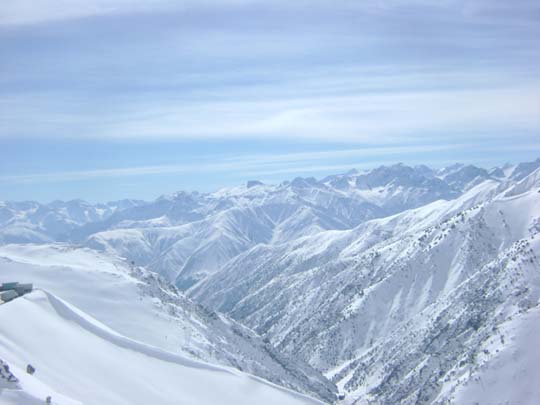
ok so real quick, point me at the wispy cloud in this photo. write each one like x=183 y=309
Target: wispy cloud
x=323 y=74
x=23 y=12
x=259 y=162
x=31 y=11
x=263 y=164
x=384 y=117
x=356 y=71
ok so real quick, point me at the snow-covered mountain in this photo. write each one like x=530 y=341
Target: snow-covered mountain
x=32 y=222
x=189 y=236
x=77 y=360
x=401 y=284
x=397 y=309
x=142 y=306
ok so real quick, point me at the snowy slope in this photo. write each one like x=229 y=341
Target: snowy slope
x=393 y=282
x=187 y=237
x=76 y=356
x=32 y=222
x=390 y=309
x=507 y=371
x=142 y=306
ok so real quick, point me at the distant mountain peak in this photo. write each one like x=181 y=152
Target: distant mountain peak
x=254 y=183
x=301 y=182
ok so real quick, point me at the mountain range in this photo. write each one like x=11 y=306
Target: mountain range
x=393 y=285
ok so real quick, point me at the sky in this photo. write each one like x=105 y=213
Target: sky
x=110 y=99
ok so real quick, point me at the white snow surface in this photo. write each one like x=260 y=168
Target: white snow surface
x=78 y=359
x=509 y=374
x=394 y=309
x=143 y=307
x=401 y=284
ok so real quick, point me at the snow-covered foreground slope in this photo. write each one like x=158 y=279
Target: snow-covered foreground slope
x=397 y=307
x=508 y=372
x=79 y=359
x=141 y=306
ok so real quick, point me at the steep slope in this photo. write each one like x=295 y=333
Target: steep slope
x=522 y=170
x=465 y=177
x=391 y=281
x=233 y=222
x=141 y=306
x=390 y=309
x=72 y=352
x=32 y=222
x=507 y=369
x=187 y=237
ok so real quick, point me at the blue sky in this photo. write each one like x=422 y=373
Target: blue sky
x=104 y=100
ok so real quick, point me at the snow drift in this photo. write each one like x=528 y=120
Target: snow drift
x=79 y=359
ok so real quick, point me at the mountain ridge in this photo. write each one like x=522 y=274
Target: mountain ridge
x=390 y=282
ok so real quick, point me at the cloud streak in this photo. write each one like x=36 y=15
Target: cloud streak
x=382 y=117
x=240 y=69
x=262 y=164
x=246 y=75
